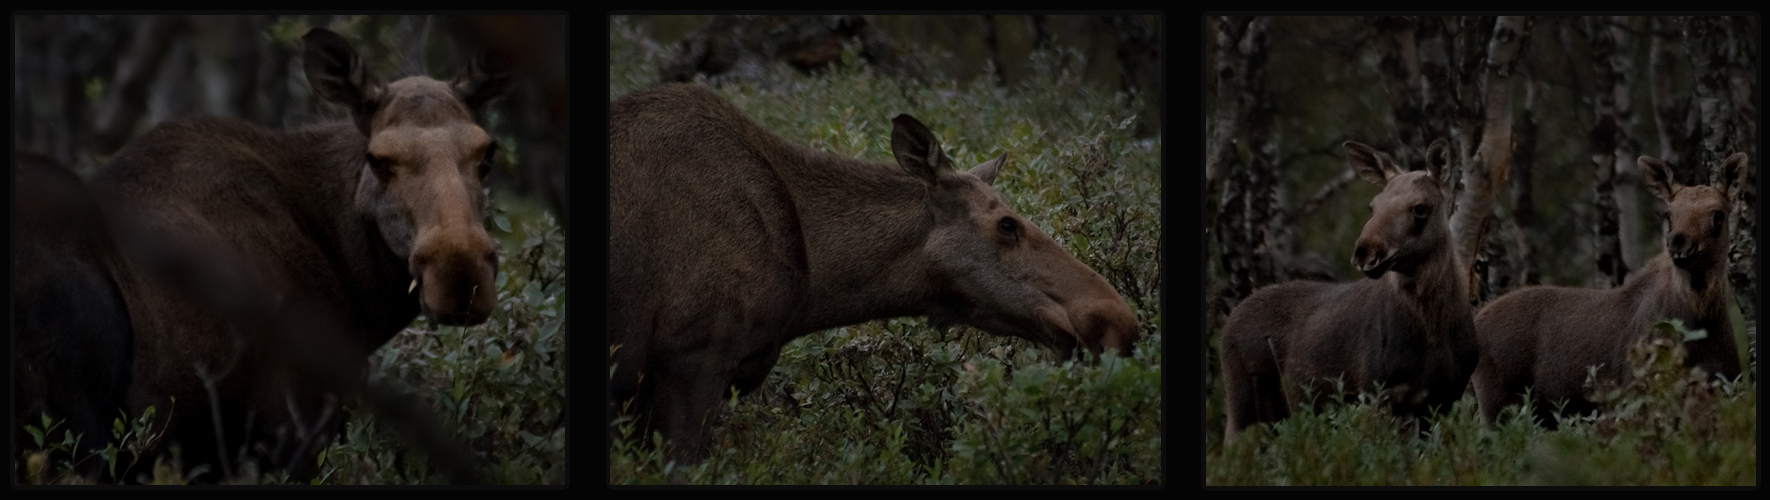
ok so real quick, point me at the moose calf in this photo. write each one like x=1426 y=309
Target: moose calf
x=1544 y=338
x=1408 y=327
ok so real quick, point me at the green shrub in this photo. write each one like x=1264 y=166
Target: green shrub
x=1668 y=425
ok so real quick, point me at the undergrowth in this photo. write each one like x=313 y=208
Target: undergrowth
x=1667 y=425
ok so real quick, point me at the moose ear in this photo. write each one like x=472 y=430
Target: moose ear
x=338 y=75
x=483 y=79
x=916 y=149
x=987 y=170
x=1657 y=176
x=1732 y=174
x=1370 y=164
x=1438 y=162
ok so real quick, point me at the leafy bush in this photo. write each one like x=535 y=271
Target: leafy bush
x=503 y=381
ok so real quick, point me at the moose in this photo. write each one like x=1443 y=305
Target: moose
x=230 y=231
x=1409 y=328
x=726 y=242
x=1545 y=338
x=72 y=341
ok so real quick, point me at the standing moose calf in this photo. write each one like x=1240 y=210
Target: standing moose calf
x=1544 y=338
x=1408 y=327
x=726 y=242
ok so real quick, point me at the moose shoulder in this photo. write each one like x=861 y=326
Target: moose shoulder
x=230 y=225
x=1546 y=338
x=1408 y=327
x=727 y=241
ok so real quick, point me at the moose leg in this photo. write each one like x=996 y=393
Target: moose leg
x=754 y=368
x=1491 y=394
x=1251 y=390
x=688 y=396
x=1238 y=396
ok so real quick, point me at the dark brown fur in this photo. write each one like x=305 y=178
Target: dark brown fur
x=1408 y=328
x=726 y=242
x=72 y=344
x=224 y=219
x=1544 y=338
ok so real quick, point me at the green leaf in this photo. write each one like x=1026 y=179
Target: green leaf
x=547 y=331
x=531 y=293
x=502 y=222
x=1676 y=326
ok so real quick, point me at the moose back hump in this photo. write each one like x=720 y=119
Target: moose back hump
x=725 y=242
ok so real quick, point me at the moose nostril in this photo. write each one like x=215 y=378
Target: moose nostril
x=420 y=262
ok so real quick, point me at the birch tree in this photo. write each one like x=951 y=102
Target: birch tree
x=1609 y=94
x=1485 y=170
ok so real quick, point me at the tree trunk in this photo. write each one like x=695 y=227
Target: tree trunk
x=1240 y=228
x=1743 y=251
x=1398 y=61
x=1487 y=169
x=1676 y=118
x=1230 y=70
x=1608 y=90
x=1713 y=48
x=1523 y=202
x=1263 y=152
x=1626 y=175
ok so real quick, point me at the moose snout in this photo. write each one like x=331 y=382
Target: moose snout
x=1097 y=326
x=1371 y=259
x=1681 y=248
x=457 y=286
x=1684 y=252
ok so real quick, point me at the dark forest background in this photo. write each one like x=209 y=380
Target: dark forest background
x=1546 y=116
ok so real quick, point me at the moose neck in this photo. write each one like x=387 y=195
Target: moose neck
x=1434 y=287
x=864 y=225
x=1678 y=292
x=375 y=275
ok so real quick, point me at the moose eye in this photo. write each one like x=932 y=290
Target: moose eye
x=485 y=164
x=1720 y=220
x=376 y=164
x=1007 y=226
x=1421 y=210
